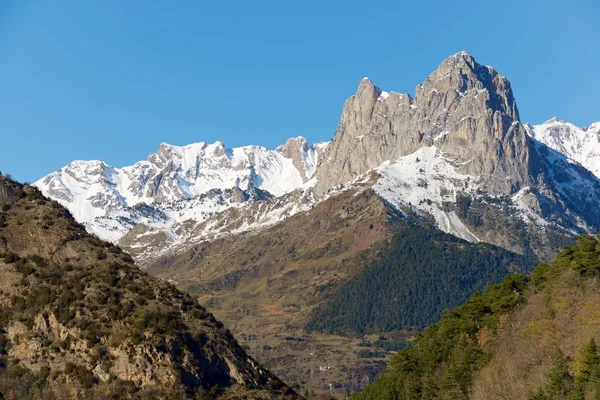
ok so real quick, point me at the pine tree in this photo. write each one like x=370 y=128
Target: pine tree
x=588 y=374
x=560 y=380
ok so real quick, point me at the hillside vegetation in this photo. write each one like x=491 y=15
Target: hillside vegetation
x=423 y=272
x=265 y=286
x=79 y=320
x=525 y=338
x=349 y=270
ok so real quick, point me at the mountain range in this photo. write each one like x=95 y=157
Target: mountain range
x=276 y=242
x=463 y=123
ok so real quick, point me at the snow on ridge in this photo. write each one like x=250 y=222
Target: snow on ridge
x=593 y=127
x=579 y=145
x=424 y=180
x=95 y=191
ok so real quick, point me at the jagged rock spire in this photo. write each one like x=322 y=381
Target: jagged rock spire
x=465 y=109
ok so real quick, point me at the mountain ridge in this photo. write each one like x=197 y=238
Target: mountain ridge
x=579 y=144
x=96 y=192
x=464 y=112
x=79 y=319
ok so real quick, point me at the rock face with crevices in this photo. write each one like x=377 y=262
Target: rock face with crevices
x=465 y=109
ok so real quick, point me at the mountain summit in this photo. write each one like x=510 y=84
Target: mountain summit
x=456 y=151
x=465 y=109
x=466 y=115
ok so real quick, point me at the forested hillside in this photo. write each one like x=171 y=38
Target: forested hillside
x=423 y=272
x=529 y=337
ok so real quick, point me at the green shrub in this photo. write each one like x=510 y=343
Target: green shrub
x=10 y=258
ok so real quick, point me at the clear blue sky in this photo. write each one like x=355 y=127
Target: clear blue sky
x=112 y=79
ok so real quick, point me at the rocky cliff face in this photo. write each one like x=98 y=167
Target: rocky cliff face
x=79 y=320
x=465 y=109
x=465 y=113
x=304 y=157
x=10 y=191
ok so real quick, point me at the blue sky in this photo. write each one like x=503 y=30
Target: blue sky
x=111 y=79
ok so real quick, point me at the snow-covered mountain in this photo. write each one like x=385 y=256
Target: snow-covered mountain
x=459 y=139
x=455 y=154
x=579 y=144
x=178 y=183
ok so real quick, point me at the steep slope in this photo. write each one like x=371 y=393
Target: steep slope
x=465 y=109
x=464 y=124
x=423 y=272
x=326 y=270
x=79 y=320
x=177 y=183
x=527 y=338
x=578 y=144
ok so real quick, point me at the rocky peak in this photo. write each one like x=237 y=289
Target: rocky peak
x=297 y=149
x=462 y=73
x=10 y=190
x=463 y=108
x=162 y=156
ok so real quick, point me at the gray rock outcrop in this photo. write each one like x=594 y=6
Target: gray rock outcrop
x=468 y=111
x=297 y=149
x=465 y=109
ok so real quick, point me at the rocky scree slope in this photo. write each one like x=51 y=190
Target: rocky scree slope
x=79 y=320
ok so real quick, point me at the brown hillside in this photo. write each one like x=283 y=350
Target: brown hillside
x=266 y=286
x=79 y=320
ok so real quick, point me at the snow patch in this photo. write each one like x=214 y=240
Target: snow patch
x=424 y=181
x=579 y=145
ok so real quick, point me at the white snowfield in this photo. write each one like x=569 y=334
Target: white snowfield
x=579 y=144
x=191 y=193
x=179 y=183
x=423 y=181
